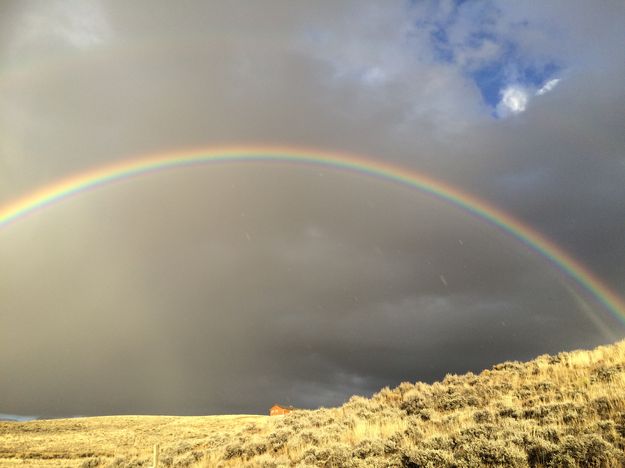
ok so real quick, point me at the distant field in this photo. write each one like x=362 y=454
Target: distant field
x=111 y=440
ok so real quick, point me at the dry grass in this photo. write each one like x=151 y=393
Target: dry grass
x=564 y=410
x=117 y=440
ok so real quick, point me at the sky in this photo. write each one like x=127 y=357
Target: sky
x=227 y=288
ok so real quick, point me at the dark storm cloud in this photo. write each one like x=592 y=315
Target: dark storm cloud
x=224 y=289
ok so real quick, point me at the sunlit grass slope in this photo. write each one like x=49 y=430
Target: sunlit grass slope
x=564 y=410
x=120 y=441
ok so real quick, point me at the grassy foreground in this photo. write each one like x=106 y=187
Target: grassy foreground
x=555 y=411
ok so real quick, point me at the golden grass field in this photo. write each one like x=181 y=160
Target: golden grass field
x=115 y=440
x=566 y=410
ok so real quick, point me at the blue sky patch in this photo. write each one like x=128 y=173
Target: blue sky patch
x=440 y=43
x=508 y=70
x=510 y=66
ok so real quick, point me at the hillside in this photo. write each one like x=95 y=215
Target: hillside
x=563 y=410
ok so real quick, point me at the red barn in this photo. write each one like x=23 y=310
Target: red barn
x=277 y=410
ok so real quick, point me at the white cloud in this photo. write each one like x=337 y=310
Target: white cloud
x=514 y=100
x=548 y=86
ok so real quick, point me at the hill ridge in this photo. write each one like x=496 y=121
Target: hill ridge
x=566 y=409
x=562 y=410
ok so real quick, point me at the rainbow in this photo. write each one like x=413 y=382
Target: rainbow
x=77 y=184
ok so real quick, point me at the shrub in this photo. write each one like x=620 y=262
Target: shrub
x=428 y=458
x=619 y=425
x=308 y=437
x=606 y=373
x=508 y=413
x=471 y=433
x=544 y=386
x=514 y=366
x=441 y=442
x=414 y=432
x=277 y=440
x=188 y=459
x=335 y=455
x=121 y=462
x=368 y=448
x=388 y=396
x=483 y=416
x=602 y=406
x=607 y=430
x=413 y=404
x=233 y=450
x=491 y=453
x=539 y=451
x=590 y=450
x=453 y=400
x=90 y=463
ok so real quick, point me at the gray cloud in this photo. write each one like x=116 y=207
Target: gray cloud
x=226 y=288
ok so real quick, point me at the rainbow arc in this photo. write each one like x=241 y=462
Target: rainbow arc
x=80 y=183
